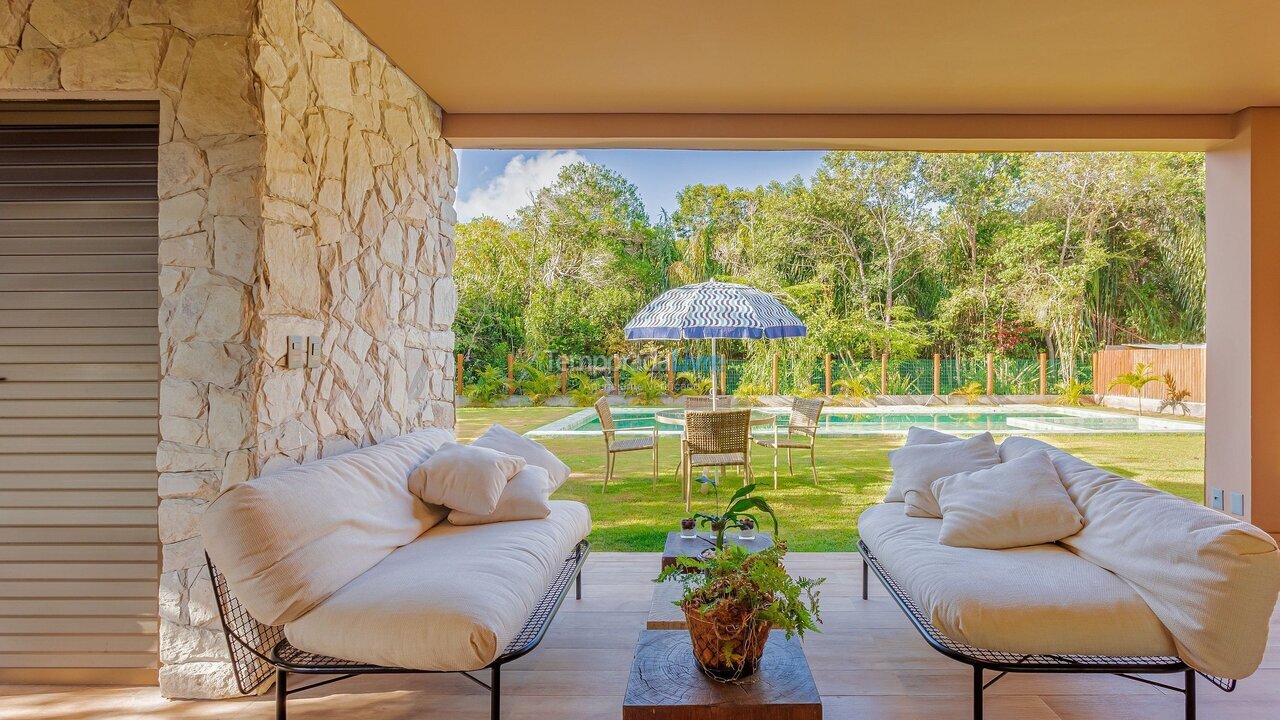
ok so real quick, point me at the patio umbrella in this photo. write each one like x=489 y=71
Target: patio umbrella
x=711 y=311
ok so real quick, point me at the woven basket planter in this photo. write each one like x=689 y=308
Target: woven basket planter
x=727 y=644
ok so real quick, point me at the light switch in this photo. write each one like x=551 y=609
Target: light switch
x=297 y=356
x=1215 y=499
x=315 y=351
x=1237 y=504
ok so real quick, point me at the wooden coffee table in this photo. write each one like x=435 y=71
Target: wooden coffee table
x=691 y=547
x=666 y=684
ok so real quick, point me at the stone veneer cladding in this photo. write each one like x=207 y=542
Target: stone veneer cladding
x=304 y=189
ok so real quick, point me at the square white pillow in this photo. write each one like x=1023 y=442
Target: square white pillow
x=917 y=435
x=915 y=467
x=524 y=498
x=464 y=477
x=1014 y=504
x=513 y=443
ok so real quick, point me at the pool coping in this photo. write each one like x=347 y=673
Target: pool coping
x=1151 y=425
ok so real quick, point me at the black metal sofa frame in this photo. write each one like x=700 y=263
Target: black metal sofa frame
x=1004 y=663
x=258 y=651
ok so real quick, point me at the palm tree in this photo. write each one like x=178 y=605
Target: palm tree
x=1137 y=379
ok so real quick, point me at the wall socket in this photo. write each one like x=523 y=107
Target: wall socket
x=1215 y=499
x=297 y=354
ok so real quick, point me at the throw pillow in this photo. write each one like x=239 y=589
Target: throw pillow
x=1014 y=504
x=524 y=498
x=513 y=443
x=464 y=477
x=917 y=435
x=915 y=467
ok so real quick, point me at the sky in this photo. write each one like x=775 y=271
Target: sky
x=499 y=182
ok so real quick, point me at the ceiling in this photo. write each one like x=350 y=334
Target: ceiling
x=832 y=56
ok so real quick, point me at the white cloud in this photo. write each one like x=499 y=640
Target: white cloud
x=520 y=180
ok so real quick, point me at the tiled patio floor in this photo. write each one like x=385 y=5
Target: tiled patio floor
x=869 y=664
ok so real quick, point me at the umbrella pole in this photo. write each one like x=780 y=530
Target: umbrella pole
x=713 y=373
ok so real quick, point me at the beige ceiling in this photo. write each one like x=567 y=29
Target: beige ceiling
x=832 y=56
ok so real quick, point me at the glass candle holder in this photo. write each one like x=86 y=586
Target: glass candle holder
x=746 y=529
x=688 y=528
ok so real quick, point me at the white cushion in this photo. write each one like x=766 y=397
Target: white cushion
x=513 y=443
x=1014 y=504
x=915 y=467
x=917 y=435
x=466 y=478
x=524 y=498
x=1211 y=579
x=288 y=540
x=451 y=600
x=1038 y=599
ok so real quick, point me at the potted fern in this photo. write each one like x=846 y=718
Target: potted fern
x=731 y=601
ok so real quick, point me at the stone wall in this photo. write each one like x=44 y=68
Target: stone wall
x=304 y=189
x=357 y=241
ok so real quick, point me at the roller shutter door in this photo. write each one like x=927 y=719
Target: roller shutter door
x=79 y=549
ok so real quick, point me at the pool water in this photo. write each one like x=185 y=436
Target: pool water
x=1023 y=419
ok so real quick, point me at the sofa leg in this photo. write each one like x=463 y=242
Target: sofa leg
x=977 y=693
x=864 y=579
x=282 y=693
x=495 y=693
x=1189 y=695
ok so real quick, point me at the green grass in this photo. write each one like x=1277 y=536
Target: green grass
x=854 y=471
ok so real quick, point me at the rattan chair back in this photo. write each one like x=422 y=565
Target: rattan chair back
x=723 y=431
x=606 y=415
x=805 y=414
x=703 y=402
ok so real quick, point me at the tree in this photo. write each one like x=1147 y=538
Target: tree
x=1136 y=379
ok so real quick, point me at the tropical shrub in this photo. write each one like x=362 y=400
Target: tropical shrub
x=490 y=386
x=537 y=384
x=1174 y=397
x=640 y=384
x=970 y=391
x=1072 y=393
x=691 y=383
x=749 y=393
x=585 y=389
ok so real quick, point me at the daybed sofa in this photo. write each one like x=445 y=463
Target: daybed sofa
x=334 y=567
x=1151 y=584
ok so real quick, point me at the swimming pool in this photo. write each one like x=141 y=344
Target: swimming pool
x=1007 y=420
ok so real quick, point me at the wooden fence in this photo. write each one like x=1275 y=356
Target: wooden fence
x=1186 y=364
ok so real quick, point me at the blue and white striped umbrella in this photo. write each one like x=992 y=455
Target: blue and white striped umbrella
x=714 y=310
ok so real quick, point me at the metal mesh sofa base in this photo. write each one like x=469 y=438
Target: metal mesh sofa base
x=260 y=651
x=1003 y=663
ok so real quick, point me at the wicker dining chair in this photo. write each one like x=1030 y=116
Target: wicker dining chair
x=703 y=402
x=801 y=434
x=631 y=444
x=717 y=439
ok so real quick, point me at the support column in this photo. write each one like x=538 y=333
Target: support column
x=1242 y=182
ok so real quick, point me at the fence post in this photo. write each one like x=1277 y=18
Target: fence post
x=774 y=390
x=724 y=385
x=671 y=374
x=511 y=370
x=617 y=378
x=826 y=368
x=884 y=373
x=564 y=374
x=1044 y=378
x=991 y=374
x=937 y=374
x=459 y=378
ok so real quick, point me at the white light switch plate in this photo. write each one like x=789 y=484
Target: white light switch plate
x=297 y=355
x=315 y=351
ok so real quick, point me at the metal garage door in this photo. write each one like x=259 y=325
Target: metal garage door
x=78 y=428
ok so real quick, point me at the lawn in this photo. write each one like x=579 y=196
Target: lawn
x=854 y=471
